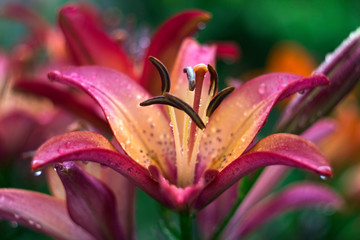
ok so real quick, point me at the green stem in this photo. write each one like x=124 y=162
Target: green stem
x=185 y=226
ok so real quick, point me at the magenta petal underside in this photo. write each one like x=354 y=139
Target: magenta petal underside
x=88 y=43
x=143 y=132
x=320 y=130
x=240 y=116
x=209 y=218
x=229 y=51
x=276 y=149
x=40 y=212
x=272 y=175
x=293 y=197
x=89 y=146
x=166 y=48
x=91 y=204
x=82 y=107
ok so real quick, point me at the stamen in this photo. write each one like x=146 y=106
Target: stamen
x=191 y=77
x=215 y=102
x=213 y=80
x=158 y=100
x=180 y=104
x=164 y=74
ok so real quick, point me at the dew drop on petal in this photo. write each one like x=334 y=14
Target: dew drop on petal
x=38 y=226
x=261 y=88
x=201 y=25
x=61 y=151
x=323 y=177
x=37 y=173
x=14 y=224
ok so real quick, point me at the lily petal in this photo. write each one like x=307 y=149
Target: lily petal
x=245 y=111
x=294 y=197
x=229 y=51
x=90 y=203
x=93 y=147
x=40 y=212
x=276 y=149
x=134 y=127
x=342 y=68
x=81 y=107
x=210 y=218
x=89 y=44
x=179 y=27
x=272 y=175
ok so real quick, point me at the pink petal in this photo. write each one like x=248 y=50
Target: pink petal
x=293 y=197
x=40 y=212
x=210 y=218
x=166 y=43
x=229 y=51
x=79 y=106
x=15 y=129
x=143 y=132
x=239 y=118
x=125 y=193
x=89 y=146
x=320 y=130
x=342 y=68
x=88 y=43
x=272 y=175
x=276 y=149
x=91 y=204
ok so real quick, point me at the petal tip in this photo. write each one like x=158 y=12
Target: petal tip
x=325 y=171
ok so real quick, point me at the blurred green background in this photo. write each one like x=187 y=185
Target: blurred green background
x=256 y=25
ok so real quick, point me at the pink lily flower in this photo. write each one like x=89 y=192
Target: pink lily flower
x=184 y=158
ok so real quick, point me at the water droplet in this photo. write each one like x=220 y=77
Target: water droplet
x=74 y=75
x=14 y=224
x=17 y=216
x=37 y=173
x=243 y=139
x=38 y=226
x=61 y=151
x=31 y=222
x=201 y=25
x=262 y=88
x=323 y=177
x=57 y=72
